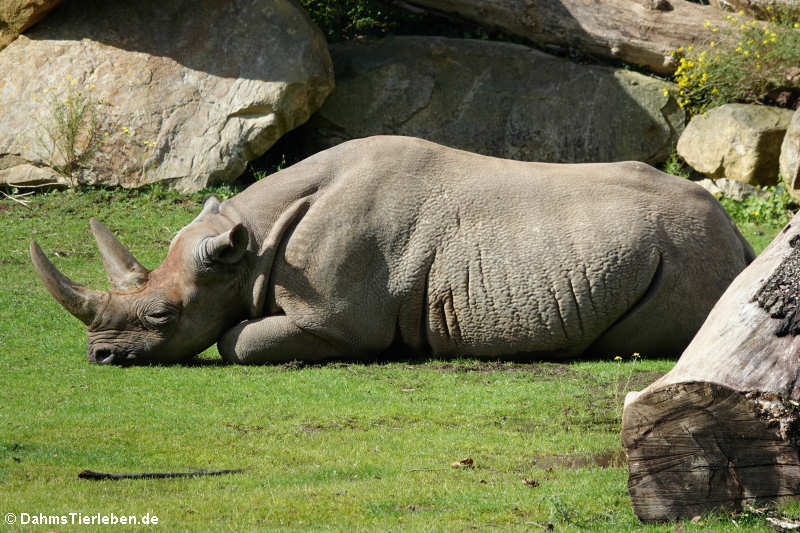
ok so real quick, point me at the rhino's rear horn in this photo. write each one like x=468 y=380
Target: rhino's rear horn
x=81 y=302
x=124 y=271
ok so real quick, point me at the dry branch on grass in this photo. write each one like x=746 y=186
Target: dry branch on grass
x=97 y=476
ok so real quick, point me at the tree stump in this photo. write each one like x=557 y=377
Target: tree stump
x=722 y=428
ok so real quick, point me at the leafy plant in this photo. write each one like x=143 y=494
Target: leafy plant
x=774 y=209
x=742 y=61
x=70 y=136
x=676 y=166
x=342 y=20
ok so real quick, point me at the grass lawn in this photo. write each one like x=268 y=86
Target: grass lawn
x=344 y=447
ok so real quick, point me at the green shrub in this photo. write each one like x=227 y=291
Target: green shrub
x=348 y=19
x=676 y=166
x=70 y=136
x=343 y=20
x=741 y=61
x=774 y=209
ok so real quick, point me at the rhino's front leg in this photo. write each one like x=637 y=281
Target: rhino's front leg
x=273 y=339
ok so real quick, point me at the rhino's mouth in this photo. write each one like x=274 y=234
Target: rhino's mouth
x=105 y=354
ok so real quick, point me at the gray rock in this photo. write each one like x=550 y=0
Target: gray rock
x=497 y=99
x=790 y=157
x=733 y=189
x=185 y=91
x=736 y=141
x=757 y=8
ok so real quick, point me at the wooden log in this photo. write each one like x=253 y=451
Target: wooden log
x=641 y=32
x=722 y=428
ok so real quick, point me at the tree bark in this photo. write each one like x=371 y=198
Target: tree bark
x=722 y=428
x=641 y=32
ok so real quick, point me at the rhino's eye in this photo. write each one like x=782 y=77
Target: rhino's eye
x=158 y=317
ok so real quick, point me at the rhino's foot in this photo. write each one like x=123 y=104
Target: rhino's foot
x=273 y=339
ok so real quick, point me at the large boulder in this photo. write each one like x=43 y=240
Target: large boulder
x=17 y=16
x=736 y=141
x=642 y=32
x=498 y=99
x=182 y=91
x=790 y=157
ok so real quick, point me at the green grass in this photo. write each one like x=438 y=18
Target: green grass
x=342 y=447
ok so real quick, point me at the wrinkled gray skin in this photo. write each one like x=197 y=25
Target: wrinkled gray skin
x=391 y=241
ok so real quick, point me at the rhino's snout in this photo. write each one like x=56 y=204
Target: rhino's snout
x=108 y=355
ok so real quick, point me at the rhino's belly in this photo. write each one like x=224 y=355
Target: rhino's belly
x=522 y=305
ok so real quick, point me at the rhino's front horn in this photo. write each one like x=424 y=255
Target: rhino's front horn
x=124 y=271
x=83 y=303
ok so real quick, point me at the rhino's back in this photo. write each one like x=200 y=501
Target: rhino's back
x=468 y=254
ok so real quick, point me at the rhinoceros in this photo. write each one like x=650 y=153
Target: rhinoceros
x=394 y=241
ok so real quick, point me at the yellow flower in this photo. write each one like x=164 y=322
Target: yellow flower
x=91 y=87
x=665 y=91
x=636 y=355
x=796 y=25
x=617 y=358
x=126 y=130
x=706 y=24
x=714 y=30
x=712 y=44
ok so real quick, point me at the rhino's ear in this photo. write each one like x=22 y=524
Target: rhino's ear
x=210 y=207
x=227 y=247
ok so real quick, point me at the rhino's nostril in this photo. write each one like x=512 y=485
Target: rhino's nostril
x=102 y=355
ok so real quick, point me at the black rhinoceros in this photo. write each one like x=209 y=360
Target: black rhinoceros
x=398 y=241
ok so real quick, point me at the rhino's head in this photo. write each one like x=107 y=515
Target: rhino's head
x=162 y=316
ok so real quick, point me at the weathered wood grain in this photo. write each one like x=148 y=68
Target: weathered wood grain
x=642 y=32
x=722 y=428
